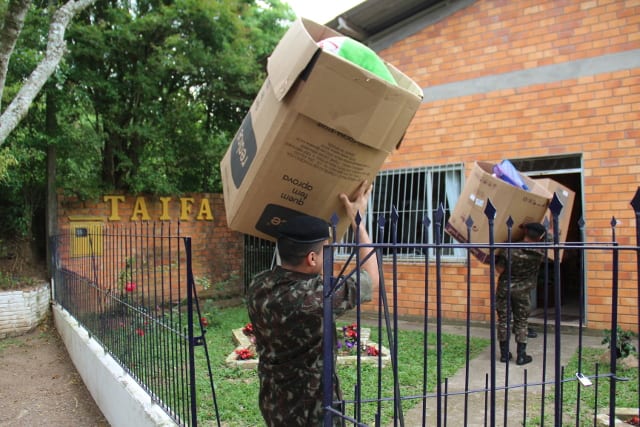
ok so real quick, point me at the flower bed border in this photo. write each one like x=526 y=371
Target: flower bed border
x=243 y=341
x=21 y=310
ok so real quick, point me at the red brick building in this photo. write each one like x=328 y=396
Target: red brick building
x=553 y=86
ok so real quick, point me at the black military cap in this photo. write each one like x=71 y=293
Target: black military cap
x=534 y=228
x=304 y=229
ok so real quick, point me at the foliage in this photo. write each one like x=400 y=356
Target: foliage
x=6 y=281
x=22 y=190
x=624 y=341
x=168 y=85
x=347 y=342
x=9 y=282
x=7 y=160
x=147 y=99
x=203 y=282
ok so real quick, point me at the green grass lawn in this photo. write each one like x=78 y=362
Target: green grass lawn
x=626 y=390
x=237 y=388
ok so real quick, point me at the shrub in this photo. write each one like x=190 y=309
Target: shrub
x=624 y=341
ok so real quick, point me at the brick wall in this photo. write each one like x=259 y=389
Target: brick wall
x=593 y=114
x=217 y=251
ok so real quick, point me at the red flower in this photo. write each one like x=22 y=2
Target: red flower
x=349 y=339
x=248 y=329
x=204 y=322
x=130 y=286
x=372 y=351
x=140 y=332
x=244 y=354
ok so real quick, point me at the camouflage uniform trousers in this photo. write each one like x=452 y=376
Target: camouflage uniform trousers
x=520 y=303
x=293 y=397
x=520 y=278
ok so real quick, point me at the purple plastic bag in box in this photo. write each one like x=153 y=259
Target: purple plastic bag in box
x=508 y=173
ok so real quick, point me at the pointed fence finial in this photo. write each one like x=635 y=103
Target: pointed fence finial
x=469 y=222
x=394 y=224
x=509 y=224
x=382 y=221
x=490 y=211
x=426 y=222
x=439 y=216
x=635 y=202
x=556 y=205
x=581 y=223
x=394 y=214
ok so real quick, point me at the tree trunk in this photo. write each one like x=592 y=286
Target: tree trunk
x=56 y=47
x=52 y=199
x=10 y=30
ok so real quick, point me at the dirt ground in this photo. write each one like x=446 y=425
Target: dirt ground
x=39 y=385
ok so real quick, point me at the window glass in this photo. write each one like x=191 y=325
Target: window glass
x=416 y=194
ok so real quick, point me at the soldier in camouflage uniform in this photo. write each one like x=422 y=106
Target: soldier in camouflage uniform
x=525 y=263
x=285 y=306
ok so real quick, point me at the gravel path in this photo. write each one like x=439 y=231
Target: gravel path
x=39 y=385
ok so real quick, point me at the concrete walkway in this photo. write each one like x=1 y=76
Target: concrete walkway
x=479 y=370
x=478 y=404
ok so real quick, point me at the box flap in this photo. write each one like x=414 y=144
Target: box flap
x=284 y=67
x=353 y=102
x=339 y=94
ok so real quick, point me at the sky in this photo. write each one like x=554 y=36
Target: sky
x=321 y=11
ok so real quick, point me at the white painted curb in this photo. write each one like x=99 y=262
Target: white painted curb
x=122 y=401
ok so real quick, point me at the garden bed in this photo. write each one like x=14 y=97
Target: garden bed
x=21 y=310
x=243 y=342
x=624 y=417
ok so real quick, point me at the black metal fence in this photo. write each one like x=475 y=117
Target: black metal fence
x=133 y=289
x=486 y=392
x=258 y=256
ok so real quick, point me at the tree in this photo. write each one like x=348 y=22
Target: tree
x=146 y=100
x=167 y=84
x=14 y=18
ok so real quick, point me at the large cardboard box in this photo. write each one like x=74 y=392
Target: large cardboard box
x=319 y=126
x=481 y=186
x=566 y=196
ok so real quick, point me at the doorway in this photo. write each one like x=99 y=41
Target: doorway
x=566 y=170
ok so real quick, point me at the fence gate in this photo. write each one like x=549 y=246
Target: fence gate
x=567 y=385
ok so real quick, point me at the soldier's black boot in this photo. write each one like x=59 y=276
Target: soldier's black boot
x=523 y=358
x=505 y=354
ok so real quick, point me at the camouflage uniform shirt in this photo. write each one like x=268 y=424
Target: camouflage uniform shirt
x=525 y=263
x=285 y=308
